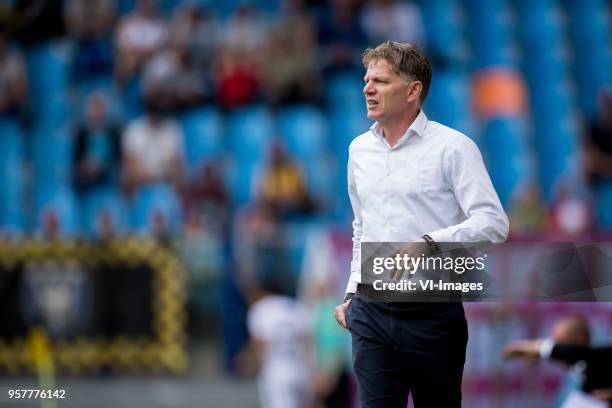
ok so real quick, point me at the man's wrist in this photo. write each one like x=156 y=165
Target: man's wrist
x=431 y=244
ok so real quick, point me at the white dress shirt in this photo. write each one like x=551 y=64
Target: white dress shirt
x=433 y=181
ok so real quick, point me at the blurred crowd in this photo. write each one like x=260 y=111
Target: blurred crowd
x=134 y=69
x=222 y=130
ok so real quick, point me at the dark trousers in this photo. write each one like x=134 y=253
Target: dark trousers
x=402 y=348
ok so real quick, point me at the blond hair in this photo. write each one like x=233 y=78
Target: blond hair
x=407 y=60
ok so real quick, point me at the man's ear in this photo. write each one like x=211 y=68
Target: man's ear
x=415 y=91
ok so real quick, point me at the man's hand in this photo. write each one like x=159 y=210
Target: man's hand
x=414 y=249
x=340 y=313
x=527 y=349
x=602 y=394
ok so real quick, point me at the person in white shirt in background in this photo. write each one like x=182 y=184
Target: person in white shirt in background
x=280 y=327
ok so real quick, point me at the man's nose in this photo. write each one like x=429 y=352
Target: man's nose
x=368 y=89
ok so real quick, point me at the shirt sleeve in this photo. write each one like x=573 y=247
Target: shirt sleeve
x=546 y=347
x=357 y=228
x=259 y=326
x=486 y=221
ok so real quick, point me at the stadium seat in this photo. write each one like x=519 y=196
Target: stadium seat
x=52 y=149
x=344 y=90
x=488 y=33
x=61 y=201
x=443 y=29
x=49 y=69
x=446 y=101
x=305 y=131
x=250 y=132
x=603 y=204
x=104 y=200
x=156 y=200
x=203 y=132
x=11 y=177
x=505 y=149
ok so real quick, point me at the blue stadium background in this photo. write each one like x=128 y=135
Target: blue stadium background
x=560 y=51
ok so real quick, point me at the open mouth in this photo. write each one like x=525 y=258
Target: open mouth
x=371 y=103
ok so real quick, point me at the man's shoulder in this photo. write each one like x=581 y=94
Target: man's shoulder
x=361 y=141
x=447 y=137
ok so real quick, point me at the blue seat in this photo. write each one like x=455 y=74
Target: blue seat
x=49 y=69
x=251 y=131
x=11 y=177
x=60 y=200
x=104 y=200
x=603 y=204
x=154 y=200
x=443 y=29
x=241 y=178
x=320 y=173
x=203 y=132
x=345 y=125
x=538 y=26
x=52 y=149
x=556 y=151
x=488 y=32
x=305 y=131
x=505 y=150
x=345 y=90
x=447 y=100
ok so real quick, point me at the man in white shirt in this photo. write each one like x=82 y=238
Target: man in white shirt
x=411 y=180
x=153 y=151
x=279 y=327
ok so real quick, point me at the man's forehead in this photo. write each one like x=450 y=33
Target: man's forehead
x=379 y=67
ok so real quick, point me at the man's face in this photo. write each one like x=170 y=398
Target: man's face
x=387 y=94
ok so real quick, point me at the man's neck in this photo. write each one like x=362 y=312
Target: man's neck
x=394 y=131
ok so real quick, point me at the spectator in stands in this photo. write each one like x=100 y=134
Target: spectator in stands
x=171 y=74
x=194 y=31
x=104 y=230
x=193 y=36
x=152 y=147
x=91 y=24
x=572 y=330
x=529 y=216
x=571 y=215
x=569 y=343
x=283 y=188
x=384 y=20
x=50 y=224
x=341 y=37
x=13 y=81
x=237 y=79
x=598 y=141
x=245 y=30
x=97 y=148
x=207 y=199
x=139 y=35
x=290 y=67
x=237 y=67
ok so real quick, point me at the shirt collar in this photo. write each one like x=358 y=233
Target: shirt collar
x=418 y=127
